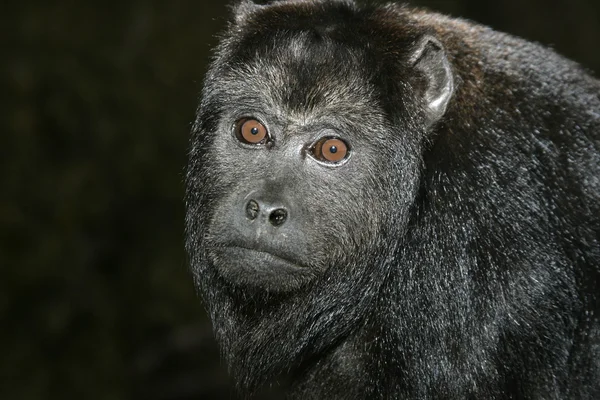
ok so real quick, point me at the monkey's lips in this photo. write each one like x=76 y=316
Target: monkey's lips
x=258 y=268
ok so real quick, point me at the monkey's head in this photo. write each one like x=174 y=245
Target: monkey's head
x=303 y=172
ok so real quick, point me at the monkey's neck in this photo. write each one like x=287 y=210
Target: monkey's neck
x=347 y=372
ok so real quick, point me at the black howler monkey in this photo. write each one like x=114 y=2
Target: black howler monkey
x=386 y=203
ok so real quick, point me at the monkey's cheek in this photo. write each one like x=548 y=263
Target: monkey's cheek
x=258 y=269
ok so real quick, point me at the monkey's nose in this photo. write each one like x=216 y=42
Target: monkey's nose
x=276 y=215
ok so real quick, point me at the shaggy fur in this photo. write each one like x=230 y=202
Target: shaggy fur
x=454 y=255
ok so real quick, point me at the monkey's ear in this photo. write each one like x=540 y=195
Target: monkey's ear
x=430 y=59
x=242 y=8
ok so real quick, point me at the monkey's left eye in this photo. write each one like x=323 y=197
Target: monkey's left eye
x=250 y=131
x=330 y=150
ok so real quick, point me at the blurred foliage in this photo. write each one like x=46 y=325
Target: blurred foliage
x=96 y=301
x=95 y=298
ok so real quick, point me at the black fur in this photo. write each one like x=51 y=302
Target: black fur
x=455 y=255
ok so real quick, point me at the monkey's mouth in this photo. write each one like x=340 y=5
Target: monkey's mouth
x=244 y=266
x=265 y=253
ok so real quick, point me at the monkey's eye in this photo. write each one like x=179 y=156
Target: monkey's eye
x=330 y=150
x=250 y=131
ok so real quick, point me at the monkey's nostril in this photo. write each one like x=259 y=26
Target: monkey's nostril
x=252 y=209
x=278 y=217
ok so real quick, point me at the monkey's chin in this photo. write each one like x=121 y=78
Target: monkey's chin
x=256 y=269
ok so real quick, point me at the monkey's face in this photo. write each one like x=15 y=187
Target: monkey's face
x=306 y=150
x=292 y=161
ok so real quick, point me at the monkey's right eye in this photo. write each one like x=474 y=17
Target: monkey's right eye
x=251 y=131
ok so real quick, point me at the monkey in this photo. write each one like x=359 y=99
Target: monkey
x=383 y=202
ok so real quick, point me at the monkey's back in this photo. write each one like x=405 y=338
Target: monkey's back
x=522 y=135
x=525 y=97
x=523 y=132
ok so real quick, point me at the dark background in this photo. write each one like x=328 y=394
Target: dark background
x=97 y=99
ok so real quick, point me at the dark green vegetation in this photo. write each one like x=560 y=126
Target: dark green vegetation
x=95 y=298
